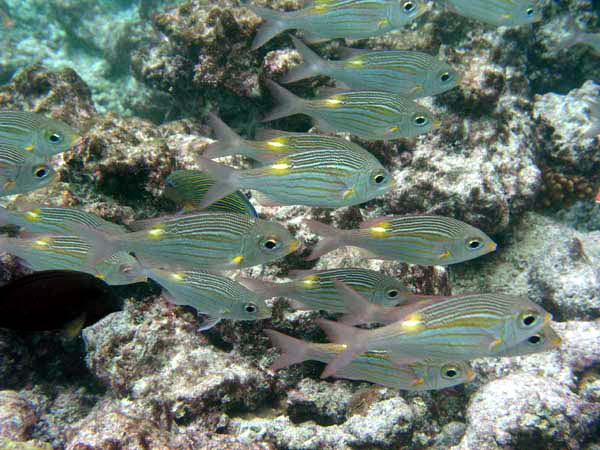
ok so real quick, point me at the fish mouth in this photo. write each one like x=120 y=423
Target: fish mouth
x=492 y=246
x=294 y=244
x=547 y=318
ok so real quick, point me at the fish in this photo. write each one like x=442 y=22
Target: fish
x=43 y=252
x=578 y=36
x=543 y=340
x=331 y=19
x=374 y=367
x=325 y=178
x=415 y=239
x=54 y=219
x=36 y=133
x=19 y=174
x=508 y=13
x=203 y=240
x=403 y=72
x=271 y=144
x=54 y=300
x=369 y=115
x=317 y=289
x=188 y=188
x=448 y=329
x=214 y=295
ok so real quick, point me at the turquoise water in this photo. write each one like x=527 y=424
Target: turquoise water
x=507 y=158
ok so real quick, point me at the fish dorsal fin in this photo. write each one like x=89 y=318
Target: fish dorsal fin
x=74 y=327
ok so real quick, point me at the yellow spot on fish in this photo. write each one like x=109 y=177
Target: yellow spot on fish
x=556 y=341
x=155 y=233
x=383 y=23
x=9 y=184
x=436 y=124
x=356 y=62
x=310 y=281
x=294 y=244
x=237 y=259
x=446 y=254
x=394 y=129
x=380 y=230
x=418 y=88
x=275 y=144
x=506 y=16
x=280 y=167
x=412 y=323
x=43 y=242
x=177 y=276
x=418 y=382
x=547 y=318
x=492 y=246
x=349 y=193
x=470 y=375
x=30 y=148
x=333 y=101
x=33 y=215
x=497 y=343
x=101 y=276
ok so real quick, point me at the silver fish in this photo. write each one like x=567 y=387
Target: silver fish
x=20 y=174
x=374 y=367
x=508 y=13
x=417 y=239
x=403 y=72
x=331 y=19
x=370 y=115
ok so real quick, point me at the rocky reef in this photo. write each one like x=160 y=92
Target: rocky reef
x=515 y=156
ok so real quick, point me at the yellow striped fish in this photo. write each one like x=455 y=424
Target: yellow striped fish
x=414 y=239
x=313 y=178
x=449 y=329
x=543 y=340
x=508 y=13
x=408 y=73
x=21 y=173
x=331 y=19
x=188 y=188
x=271 y=144
x=36 y=133
x=370 y=115
x=374 y=367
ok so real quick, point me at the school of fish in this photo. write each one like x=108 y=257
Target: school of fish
x=422 y=342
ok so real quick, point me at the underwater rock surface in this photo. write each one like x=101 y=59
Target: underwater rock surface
x=147 y=379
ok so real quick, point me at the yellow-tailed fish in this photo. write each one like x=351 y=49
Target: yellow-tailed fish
x=214 y=295
x=271 y=144
x=54 y=252
x=508 y=13
x=404 y=72
x=370 y=115
x=21 y=173
x=188 y=188
x=331 y=19
x=205 y=240
x=414 y=239
x=318 y=289
x=374 y=367
x=35 y=133
x=448 y=329
x=325 y=178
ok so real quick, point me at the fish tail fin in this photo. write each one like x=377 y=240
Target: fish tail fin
x=330 y=239
x=360 y=309
x=287 y=104
x=274 y=24
x=313 y=64
x=227 y=139
x=267 y=289
x=342 y=334
x=226 y=181
x=293 y=351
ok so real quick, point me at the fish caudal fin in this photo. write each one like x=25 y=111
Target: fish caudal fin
x=228 y=140
x=330 y=239
x=360 y=309
x=293 y=351
x=273 y=25
x=339 y=333
x=313 y=64
x=287 y=103
x=226 y=181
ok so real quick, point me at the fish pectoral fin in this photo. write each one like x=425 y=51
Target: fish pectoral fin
x=74 y=327
x=208 y=323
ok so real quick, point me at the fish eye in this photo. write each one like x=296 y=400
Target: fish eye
x=528 y=319
x=535 y=339
x=392 y=293
x=41 y=172
x=379 y=178
x=55 y=138
x=530 y=11
x=250 y=308
x=445 y=77
x=474 y=244
x=450 y=372
x=271 y=244
x=421 y=121
x=408 y=7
